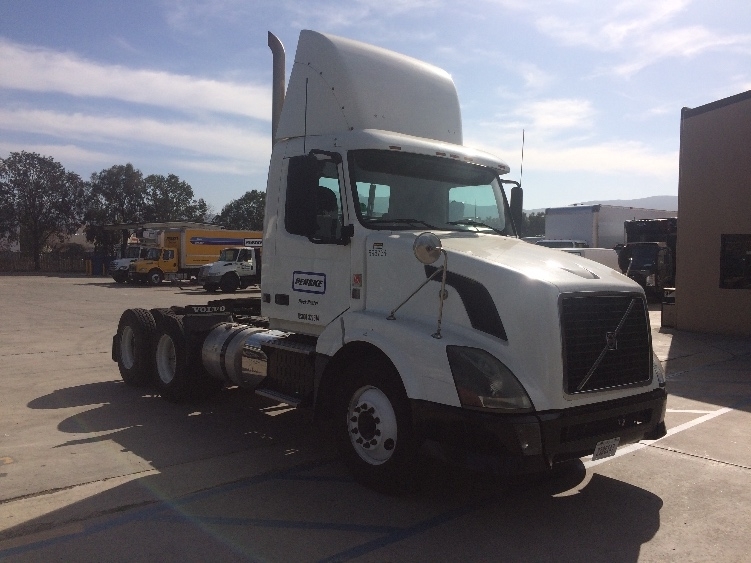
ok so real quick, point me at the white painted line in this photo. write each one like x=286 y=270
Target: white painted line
x=644 y=443
x=692 y=411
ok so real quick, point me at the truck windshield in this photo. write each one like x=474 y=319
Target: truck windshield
x=228 y=255
x=153 y=254
x=133 y=252
x=644 y=256
x=412 y=191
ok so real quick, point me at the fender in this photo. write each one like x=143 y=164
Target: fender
x=419 y=358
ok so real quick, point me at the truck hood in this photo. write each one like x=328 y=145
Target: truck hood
x=503 y=294
x=480 y=252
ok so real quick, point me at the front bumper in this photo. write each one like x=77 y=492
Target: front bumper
x=493 y=442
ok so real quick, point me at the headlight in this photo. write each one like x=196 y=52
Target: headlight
x=651 y=280
x=483 y=381
x=657 y=370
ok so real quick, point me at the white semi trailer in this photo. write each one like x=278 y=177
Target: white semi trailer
x=600 y=226
x=390 y=308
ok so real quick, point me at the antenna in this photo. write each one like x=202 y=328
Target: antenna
x=521 y=166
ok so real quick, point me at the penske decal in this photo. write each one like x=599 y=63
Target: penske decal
x=309 y=282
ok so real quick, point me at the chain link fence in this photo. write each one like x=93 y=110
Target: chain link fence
x=11 y=262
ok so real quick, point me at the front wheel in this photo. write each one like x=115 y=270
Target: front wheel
x=229 y=283
x=155 y=277
x=374 y=430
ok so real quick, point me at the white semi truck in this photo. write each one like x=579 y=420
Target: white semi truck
x=390 y=308
x=237 y=268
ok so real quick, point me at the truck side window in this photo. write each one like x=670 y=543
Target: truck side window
x=313 y=207
x=169 y=255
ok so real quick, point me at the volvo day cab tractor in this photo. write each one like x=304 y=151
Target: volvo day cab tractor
x=396 y=299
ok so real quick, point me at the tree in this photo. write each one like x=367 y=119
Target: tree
x=171 y=199
x=40 y=201
x=245 y=212
x=117 y=196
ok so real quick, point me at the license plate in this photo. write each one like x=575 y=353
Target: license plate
x=606 y=448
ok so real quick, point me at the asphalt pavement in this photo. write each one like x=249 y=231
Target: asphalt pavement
x=93 y=470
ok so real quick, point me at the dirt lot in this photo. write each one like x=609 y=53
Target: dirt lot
x=92 y=470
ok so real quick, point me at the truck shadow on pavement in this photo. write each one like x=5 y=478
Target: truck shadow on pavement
x=241 y=478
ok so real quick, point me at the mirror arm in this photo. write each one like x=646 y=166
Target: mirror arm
x=391 y=316
x=442 y=296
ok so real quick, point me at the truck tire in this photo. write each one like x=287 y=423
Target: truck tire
x=180 y=376
x=229 y=283
x=373 y=428
x=134 y=359
x=155 y=277
x=120 y=278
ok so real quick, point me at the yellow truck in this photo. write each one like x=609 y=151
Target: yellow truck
x=184 y=251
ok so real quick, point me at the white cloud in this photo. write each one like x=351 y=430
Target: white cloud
x=42 y=70
x=65 y=154
x=615 y=158
x=556 y=114
x=201 y=139
x=642 y=32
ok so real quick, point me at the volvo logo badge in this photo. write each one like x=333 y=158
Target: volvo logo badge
x=611 y=338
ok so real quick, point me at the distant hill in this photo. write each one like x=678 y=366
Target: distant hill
x=664 y=202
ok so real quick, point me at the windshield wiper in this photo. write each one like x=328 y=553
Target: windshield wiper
x=400 y=221
x=474 y=223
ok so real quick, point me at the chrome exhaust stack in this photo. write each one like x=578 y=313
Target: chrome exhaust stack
x=278 y=82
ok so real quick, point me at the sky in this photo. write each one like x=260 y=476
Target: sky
x=184 y=86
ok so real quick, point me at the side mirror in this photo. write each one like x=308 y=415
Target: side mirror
x=427 y=248
x=517 y=198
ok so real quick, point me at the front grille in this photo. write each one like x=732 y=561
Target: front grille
x=590 y=333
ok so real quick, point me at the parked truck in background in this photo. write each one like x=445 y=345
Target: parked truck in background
x=391 y=308
x=184 y=251
x=237 y=268
x=118 y=268
x=600 y=226
x=648 y=257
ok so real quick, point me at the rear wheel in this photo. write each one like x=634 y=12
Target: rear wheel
x=155 y=277
x=374 y=430
x=134 y=333
x=229 y=283
x=180 y=375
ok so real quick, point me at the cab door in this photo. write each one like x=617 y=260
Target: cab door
x=307 y=284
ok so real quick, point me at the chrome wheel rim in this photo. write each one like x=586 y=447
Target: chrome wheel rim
x=128 y=347
x=166 y=359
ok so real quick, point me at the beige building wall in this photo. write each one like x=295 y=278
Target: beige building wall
x=714 y=199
